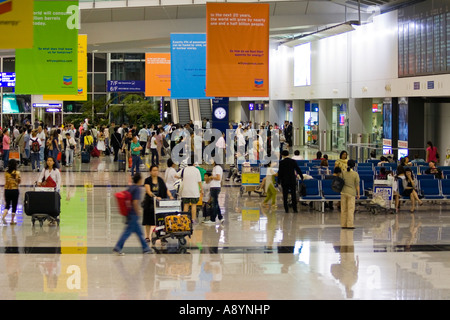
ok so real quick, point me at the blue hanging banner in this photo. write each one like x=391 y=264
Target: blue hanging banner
x=188 y=66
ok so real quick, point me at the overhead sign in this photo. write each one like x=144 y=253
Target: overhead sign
x=237 y=58
x=7 y=79
x=47 y=105
x=16 y=24
x=188 y=65
x=157 y=75
x=51 y=66
x=126 y=86
x=82 y=75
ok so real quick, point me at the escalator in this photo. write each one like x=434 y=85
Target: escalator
x=184 y=114
x=205 y=108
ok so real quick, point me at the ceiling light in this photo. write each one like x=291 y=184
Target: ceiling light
x=321 y=34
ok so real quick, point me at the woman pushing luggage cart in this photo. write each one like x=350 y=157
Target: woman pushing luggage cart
x=44 y=203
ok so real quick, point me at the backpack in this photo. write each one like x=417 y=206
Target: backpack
x=35 y=147
x=337 y=184
x=124 y=201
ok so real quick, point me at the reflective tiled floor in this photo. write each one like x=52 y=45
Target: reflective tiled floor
x=257 y=253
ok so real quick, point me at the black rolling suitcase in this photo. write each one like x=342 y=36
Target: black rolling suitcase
x=85 y=157
x=42 y=205
x=121 y=160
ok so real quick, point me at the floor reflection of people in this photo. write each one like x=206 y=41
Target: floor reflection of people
x=12 y=263
x=139 y=279
x=346 y=271
x=406 y=239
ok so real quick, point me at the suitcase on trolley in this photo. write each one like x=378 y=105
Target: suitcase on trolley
x=42 y=202
x=41 y=205
x=178 y=223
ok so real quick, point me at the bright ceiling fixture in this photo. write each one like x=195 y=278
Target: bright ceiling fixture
x=321 y=34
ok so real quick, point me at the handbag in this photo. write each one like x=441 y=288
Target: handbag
x=302 y=189
x=48 y=183
x=337 y=184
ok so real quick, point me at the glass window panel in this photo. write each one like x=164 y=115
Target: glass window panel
x=99 y=82
x=100 y=62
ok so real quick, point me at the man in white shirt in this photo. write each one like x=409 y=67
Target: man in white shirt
x=191 y=188
x=221 y=145
x=215 y=185
x=297 y=155
x=143 y=137
x=41 y=136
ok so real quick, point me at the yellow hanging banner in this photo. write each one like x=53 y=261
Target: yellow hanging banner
x=82 y=75
x=16 y=24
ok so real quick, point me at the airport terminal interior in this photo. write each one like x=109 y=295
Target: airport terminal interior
x=379 y=81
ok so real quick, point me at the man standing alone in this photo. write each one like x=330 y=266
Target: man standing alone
x=287 y=172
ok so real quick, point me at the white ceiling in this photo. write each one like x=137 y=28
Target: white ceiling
x=146 y=25
x=147 y=28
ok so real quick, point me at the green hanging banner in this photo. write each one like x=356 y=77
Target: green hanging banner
x=51 y=66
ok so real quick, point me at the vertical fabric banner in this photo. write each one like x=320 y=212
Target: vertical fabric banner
x=51 y=66
x=237 y=59
x=188 y=65
x=157 y=74
x=82 y=75
x=16 y=24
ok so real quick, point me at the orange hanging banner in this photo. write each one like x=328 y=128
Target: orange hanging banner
x=237 y=45
x=157 y=74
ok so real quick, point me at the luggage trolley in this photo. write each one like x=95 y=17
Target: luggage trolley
x=382 y=197
x=171 y=222
x=250 y=177
x=43 y=204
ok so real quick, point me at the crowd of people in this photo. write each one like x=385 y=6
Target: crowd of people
x=189 y=180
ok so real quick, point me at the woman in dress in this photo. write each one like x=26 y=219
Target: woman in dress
x=101 y=141
x=432 y=153
x=342 y=161
x=155 y=187
x=409 y=189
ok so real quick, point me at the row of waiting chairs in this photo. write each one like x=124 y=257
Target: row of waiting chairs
x=432 y=189
x=320 y=190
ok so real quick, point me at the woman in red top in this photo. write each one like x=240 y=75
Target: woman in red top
x=432 y=153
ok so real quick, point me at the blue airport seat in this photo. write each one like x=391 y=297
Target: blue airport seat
x=365 y=171
x=392 y=166
x=421 y=177
x=431 y=189
x=368 y=181
x=312 y=190
x=328 y=193
x=362 y=195
x=302 y=163
x=373 y=161
x=414 y=169
x=304 y=169
x=445 y=188
x=365 y=165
